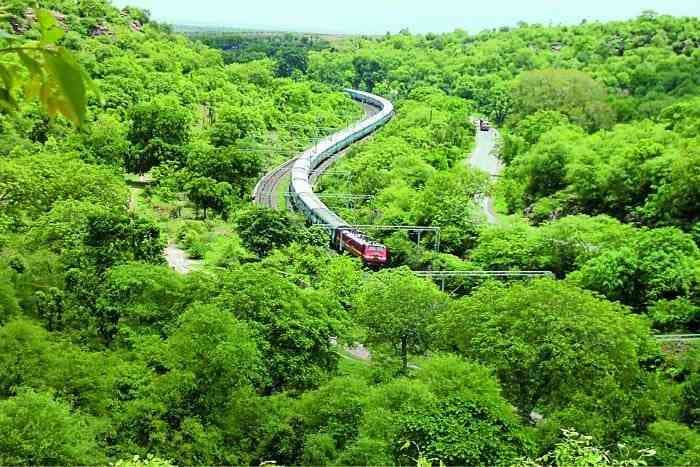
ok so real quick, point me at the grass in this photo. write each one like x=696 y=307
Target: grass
x=501 y=208
x=351 y=366
x=281 y=193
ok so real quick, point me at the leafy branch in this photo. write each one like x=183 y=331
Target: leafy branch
x=55 y=78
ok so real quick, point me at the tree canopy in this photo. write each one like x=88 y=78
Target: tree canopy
x=151 y=315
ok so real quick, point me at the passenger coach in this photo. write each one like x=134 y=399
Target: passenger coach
x=343 y=236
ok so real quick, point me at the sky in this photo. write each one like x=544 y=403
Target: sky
x=380 y=16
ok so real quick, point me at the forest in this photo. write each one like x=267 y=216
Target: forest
x=121 y=140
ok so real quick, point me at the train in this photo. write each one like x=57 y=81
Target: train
x=343 y=236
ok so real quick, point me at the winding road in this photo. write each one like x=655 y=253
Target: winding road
x=179 y=260
x=484 y=157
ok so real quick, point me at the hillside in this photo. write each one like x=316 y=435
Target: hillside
x=108 y=355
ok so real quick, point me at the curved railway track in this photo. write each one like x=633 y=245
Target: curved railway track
x=267 y=190
x=303 y=170
x=370 y=111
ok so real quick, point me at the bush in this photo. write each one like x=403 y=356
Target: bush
x=226 y=252
x=675 y=315
x=191 y=235
x=39 y=430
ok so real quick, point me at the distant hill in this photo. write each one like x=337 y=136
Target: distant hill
x=214 y=30
x=184 y=28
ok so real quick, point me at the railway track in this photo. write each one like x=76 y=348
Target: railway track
x=325 y=165
x=678 y=337
x=267 y=190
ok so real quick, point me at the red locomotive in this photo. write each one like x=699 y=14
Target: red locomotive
x=357 y=244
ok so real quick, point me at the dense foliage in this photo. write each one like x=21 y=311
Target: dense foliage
x=291 y=51
x=109 y=356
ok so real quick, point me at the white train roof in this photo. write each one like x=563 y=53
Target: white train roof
x=313 y=156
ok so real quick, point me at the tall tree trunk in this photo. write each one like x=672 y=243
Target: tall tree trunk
x=404 y=353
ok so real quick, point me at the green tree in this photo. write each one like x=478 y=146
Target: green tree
x=39 y=430
x=577 y=450
x=208 y=194
x=231 y=165
x=548 y=341
x=234 y=123
x=25 y=356
x=505 y=248
x=201 y=373
x=446 y=202
x=291 y=59
x=447 y=410
x=106 y=142
x=33 y=358
x=368 y=73
x=331 y=426
x=143 y=298
x=675 y=315
x=31 y=185
x=673 y=443
x=674 y=202
x=570 y=92
x=683 y=117
x=500 y=103
x=263 y=229
x=689 y=367
x=148 y=461
x=533 y=126
x=296 y=324
x=656 y=264
x=216 y=352
x=88 y=233
x=8 y=301
x=544 y=168
x=397 y=308
x=691 y=400
x=158 y=130
x=564 y=245
x=340 y=275
x=527 y=132
x=466 y=422
x=114 y=238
